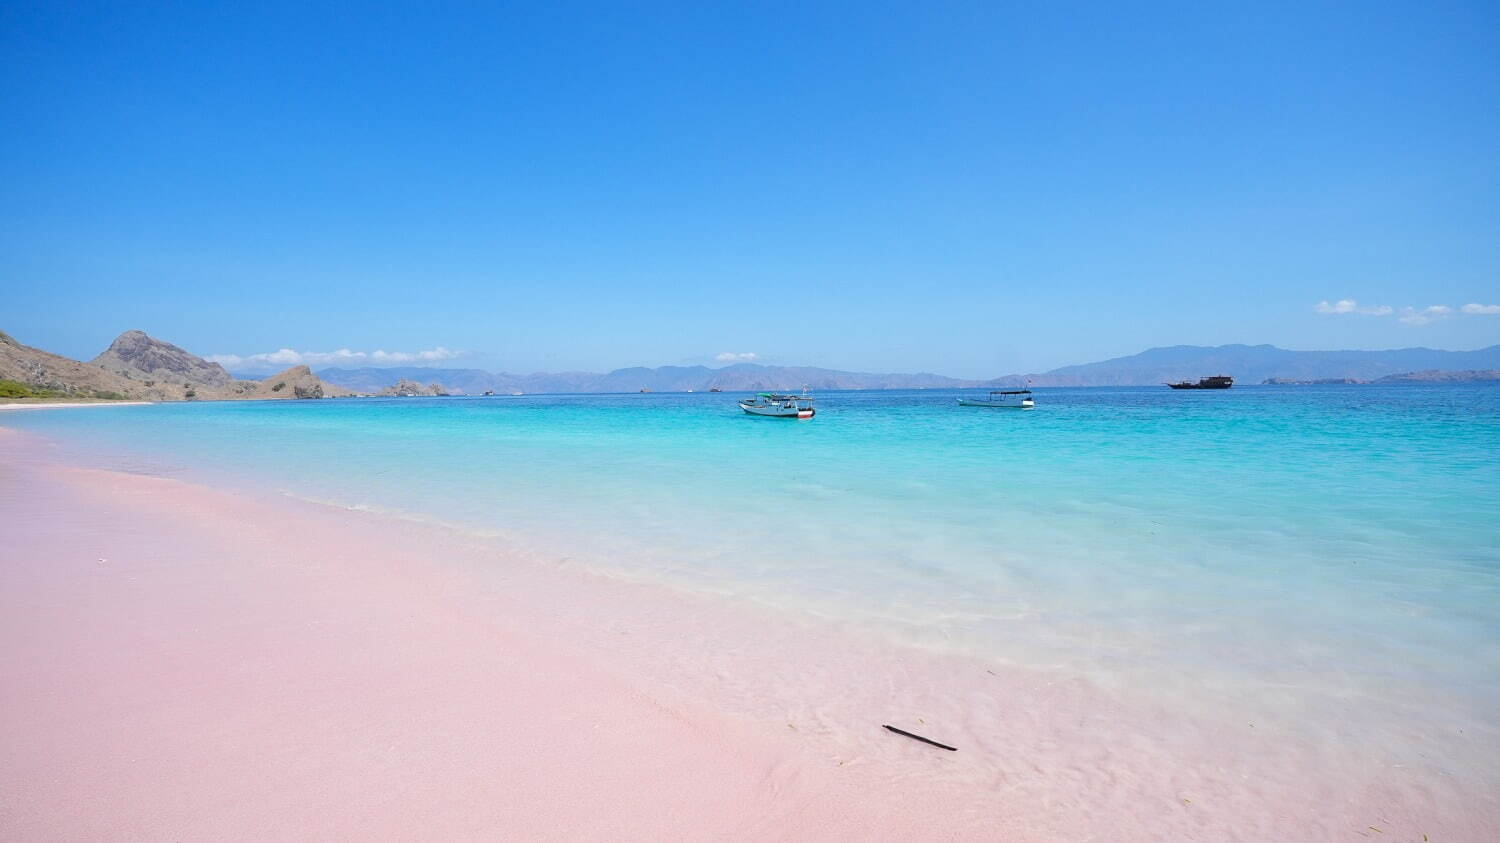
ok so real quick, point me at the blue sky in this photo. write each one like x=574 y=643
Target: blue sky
x=968 y=188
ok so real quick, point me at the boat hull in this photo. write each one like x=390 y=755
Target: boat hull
x=778 y=412
x=1215 y=382
x=1028 y=404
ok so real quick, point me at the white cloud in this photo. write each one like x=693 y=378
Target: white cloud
x=432 y=355
x=736 y=356
x=1352 y=306
x=1431 y=313
x=1407 y=315
x=282 y=358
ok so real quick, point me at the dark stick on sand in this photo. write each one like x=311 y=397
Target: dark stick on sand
x=922 y=739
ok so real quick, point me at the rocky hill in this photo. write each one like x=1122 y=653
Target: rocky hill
x=139 y=357
x=412 y=389
x=297 y=382
x=140 y=367
x=48 y=371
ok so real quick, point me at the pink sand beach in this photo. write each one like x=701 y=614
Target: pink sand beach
x=185 y=662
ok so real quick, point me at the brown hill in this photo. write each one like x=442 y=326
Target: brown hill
x=136 y=356
x=140 y=367
x=296 y=382
x=45 y=370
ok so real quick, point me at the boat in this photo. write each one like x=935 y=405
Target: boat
x=716 y=389
x=1215 y=382
x=779 y=406
x=488 y=392
x=1016 y=399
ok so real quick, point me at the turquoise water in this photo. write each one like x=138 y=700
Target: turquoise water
x=1295 y=544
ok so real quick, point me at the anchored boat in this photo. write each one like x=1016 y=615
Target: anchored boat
x=1016 y=399
x=779 y=406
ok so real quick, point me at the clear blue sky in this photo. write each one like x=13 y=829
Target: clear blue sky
x=968 y=188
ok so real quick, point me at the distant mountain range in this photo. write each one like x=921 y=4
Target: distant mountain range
x=1248 y=364
x=139 y=366
x=741 y=377
x=1256 y=363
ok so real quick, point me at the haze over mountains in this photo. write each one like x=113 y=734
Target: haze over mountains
x=1246 y=363
x=739 y=377
x=138 y=366
x=1255 y=363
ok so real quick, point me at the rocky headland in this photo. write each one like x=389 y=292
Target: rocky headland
x=140 y=367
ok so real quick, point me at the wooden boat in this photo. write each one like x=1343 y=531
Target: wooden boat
x=779 y=406
x=1215 y=382
x=1015 y=399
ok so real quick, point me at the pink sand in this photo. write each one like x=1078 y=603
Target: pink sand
x=183 y=662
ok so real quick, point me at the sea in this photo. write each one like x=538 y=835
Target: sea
x=1312 y=548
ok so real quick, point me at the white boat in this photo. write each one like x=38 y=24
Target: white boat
x=1015 y=399
x=779 y=406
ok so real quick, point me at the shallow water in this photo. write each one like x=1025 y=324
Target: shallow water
x=1332 y=552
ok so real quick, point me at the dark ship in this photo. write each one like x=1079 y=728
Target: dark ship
x=1215 y=382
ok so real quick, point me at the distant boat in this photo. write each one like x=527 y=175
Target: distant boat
x=779 y=406
x=643 y=389
x=489 y=392
x=1215 y=382
x=1016 y=399
x=716 y=389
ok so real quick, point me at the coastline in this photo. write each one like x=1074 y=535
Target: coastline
x=188 y=661
x=46 y=404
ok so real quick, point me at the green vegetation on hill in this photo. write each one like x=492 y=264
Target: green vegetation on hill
x=16 y=389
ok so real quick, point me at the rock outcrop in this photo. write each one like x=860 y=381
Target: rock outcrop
x=297 y=382
x=410 y=388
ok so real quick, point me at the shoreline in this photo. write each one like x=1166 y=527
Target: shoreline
x=344 y=673
x=45 y=404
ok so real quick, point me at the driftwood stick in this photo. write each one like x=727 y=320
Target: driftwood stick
x=922 y=739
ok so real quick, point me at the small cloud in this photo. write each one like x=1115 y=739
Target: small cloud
x=434 y=355
x=736 y=356
x=1407 y=315
x=1352 y=306
x=1341 y=306
x=1431 y=313
x=282 y=358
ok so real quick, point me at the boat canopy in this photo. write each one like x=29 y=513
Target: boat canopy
x=1011 y=392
